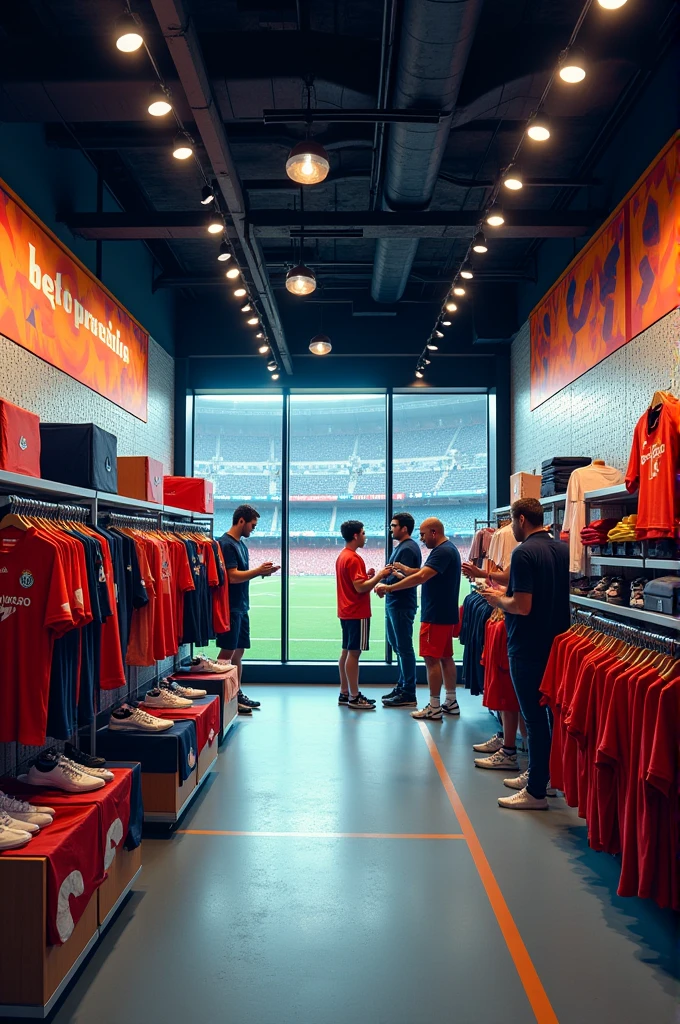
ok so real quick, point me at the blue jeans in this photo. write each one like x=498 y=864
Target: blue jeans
x=399 y=623
x=527 y=675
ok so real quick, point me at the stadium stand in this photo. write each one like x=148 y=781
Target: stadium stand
x=322 y=447
x=319 y=483
x=317 y=520
x=370 y=483
x=413 y=482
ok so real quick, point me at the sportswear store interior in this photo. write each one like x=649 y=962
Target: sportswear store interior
x=339 y=511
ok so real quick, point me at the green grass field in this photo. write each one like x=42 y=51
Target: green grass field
x=313 y=623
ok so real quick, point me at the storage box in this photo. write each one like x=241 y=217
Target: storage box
x=80 y=454
x=190 y=492
x=19 y=440
x=524 y=485
x=140 y=477
x=662 y=595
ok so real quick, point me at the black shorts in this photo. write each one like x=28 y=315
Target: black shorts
x=239 y=634
x=355 y=634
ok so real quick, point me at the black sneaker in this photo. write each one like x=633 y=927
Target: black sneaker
x=392 y=694
x=243 y=709
x=599 y=591
x=361 y=703
x=401 y=700
x=246 y=701
x=343 y=699
x=80 y=757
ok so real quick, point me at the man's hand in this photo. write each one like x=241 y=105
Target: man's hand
x=267 y=568
x=471 y=572
x=493 y=597
x=382 y=589
x=371 y=573
x=399 y=566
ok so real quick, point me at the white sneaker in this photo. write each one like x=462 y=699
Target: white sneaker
x=489 y=746
x=62 y=776
x=17 y=826
x=190 y=692
x=203 y=664
x=97 y=773
x=450 y=708
x=428 y=712
x=11 y=839
x=523 y=801
x=519 y=782
x=158 y=698
x=20 y=810
x=498 y=760
x=127 y=719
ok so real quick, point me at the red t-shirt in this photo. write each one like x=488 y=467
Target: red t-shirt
x=499 y=693
x=34 y=610
x=661 y=809
x=652 y=468
x=350 y=566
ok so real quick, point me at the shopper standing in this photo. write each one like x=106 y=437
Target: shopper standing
x=354 y=584
x=536 y=607
x=440 y=580
x=237 y=563
x=400 y=611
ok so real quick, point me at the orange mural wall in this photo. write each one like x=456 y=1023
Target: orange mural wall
x=624 y=280
x=52 y=305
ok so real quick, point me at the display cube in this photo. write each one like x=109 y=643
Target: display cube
x=120 y=873
x=80 y=454
x=524 y=485
x=190 y=492
x=19 y=440
x=140 y=477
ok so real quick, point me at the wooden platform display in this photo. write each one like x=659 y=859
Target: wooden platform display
x=229 y=715
x=207 y=759
x=164 y=796
x=121 y=874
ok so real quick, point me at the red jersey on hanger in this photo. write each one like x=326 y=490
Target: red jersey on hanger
x=652 y=468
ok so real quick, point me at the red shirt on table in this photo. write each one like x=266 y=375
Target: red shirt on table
x=350 y=566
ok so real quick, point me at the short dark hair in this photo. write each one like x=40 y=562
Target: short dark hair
x=405 y=519
x=530 y=508
x=350 y=529
x=245 y=512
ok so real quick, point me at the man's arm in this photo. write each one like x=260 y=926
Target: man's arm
x=405 y=570
x=243 y=575
x=365 y=586
x=413 y=580
x=496 y=575
x=518 y=604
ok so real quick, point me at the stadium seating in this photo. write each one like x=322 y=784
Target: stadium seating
x=319 y=483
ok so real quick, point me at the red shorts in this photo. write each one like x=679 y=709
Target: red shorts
x=436 y=640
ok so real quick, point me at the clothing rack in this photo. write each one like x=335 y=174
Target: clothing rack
x=131 y=521
x=13 y=503
x=629 y=634
x=174 y=527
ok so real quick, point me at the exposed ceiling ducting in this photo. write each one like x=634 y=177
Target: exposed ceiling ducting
x=436 y=36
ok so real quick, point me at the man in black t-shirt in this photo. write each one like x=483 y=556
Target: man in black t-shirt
x=400 y=611
x=536 y=607
x=237 y=563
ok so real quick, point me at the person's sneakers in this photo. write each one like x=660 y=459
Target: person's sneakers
x=450 y=707
x=12 y=839
x=519 y=782
x=83 y=759
x=435 y=714
x=247 y=702
x=498 y=760
x=523 y=801
x=400 y=700
x=129 y=719
x=243 y=709
x=361 y=703
x=158 y=698
x=189 y=692
x=201 y=664
x=343 y=699
x=17 y=826
x=392 y=694
x=489 y=746
x=47 y=770
x=21 y=810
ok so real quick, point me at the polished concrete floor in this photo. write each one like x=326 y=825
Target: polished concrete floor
x=338 y=868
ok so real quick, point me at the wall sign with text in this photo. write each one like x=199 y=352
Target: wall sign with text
x=52 y=305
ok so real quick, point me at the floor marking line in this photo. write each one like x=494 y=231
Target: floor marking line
x=319 y=835
x=528 y=974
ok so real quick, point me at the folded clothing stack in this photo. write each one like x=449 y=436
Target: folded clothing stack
x=624 y=530
x=597 y=532
x=555 y=473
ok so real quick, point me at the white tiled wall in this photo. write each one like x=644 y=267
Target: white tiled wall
x=55 y=397
x=596 y=414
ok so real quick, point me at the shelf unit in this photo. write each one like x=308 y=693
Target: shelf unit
x=609 y=495
x=622 y=612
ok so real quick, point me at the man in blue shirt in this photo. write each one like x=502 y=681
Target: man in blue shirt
x=237 y=563
x=440 y=579
x=400 y=611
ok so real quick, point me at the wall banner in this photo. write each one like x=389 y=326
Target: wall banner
x=52 y=305
x=624 y=280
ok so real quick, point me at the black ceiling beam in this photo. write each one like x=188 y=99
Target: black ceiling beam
x=193 y=281
x=348 y=116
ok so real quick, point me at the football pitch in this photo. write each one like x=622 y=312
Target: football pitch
x=313 y=626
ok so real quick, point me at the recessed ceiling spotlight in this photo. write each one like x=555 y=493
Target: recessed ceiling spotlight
x=128 y=34
x=538 y=128
x=207 y=195
x=159 y=102
x=300 y=280
x=466 y=271
x=479 y=243
x=182 y=148
x=307 y=163
x=224 y=254
x=232 y=274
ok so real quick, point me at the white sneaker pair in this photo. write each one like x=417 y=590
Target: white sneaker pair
x=436 y=714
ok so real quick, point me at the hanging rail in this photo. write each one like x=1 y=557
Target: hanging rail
x=173 y=526
x=629 y=634
x=18 y=505
x=132 y=522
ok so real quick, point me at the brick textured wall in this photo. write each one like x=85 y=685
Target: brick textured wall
x=596 y=414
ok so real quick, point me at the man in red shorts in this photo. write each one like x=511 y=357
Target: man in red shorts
x=440 y=580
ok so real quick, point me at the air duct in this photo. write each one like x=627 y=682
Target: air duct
x=436 y=37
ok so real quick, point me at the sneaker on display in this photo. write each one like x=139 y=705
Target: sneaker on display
x=523 y=801
x=599 y=591
x=127 y=719
x=361 y=703
x=17 y=826
x=617 y=591
x=637 y=592
x=451 y=707
x=182 y=691
x=96 y=773
x=401 y=700
x=489 y=746
x=158 y=698
x=47 y=770
x=12 y=839
x=81 y=758
x=202 y=664
x=497 y=761
x=428 y=711
x=20 y=810
x=247 y=702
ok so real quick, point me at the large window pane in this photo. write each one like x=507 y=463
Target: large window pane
x=440 y=463
x=237 y=445
x=337 y=472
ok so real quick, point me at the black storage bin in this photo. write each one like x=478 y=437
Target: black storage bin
x=662 y=595
x=80 y=454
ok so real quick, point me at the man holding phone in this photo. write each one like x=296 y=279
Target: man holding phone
x=237 y=562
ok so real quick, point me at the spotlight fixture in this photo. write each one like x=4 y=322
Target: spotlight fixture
x=573 y=66
x=215 y=225
x=425 y=362
x=207 y=195
x=275 y=376
x=300 y=280
x=437 y=334
x=419 y=373
x=272 y=365
x=320 y=345
x=445 y=323
x=538 y=128
x=466 y=271
x=512 y=180
x=224 y=254
x=307 y=163
x=431 y=346
x=611 y=5
x=182 y=148
x=232 y=274
x=259 y=335
x=494 y=217
x=159 y=103
x=479 y=243
x=457 y=290
x=451 y=307
x=252 y=320
x=247 y=308
x=239 y=293
x=263 y=349
x=128 y=36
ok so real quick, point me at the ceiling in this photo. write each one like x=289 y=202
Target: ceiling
x=60 y=67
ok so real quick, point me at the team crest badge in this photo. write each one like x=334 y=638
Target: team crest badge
x=23 y=443
x=26 y=579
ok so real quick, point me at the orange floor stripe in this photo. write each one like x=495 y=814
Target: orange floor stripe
x=319 y=835
x=531 y=982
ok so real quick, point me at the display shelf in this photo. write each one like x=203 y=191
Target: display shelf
x=554 y=499
x=500 y=510
x=108 y=500
x=17 y=481
x=170 y=510
x=612 y=560
x=610 y=495
x=622 y=612
x=663 y=563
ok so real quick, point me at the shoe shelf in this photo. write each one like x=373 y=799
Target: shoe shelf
x=624 y=612
x=614 y=561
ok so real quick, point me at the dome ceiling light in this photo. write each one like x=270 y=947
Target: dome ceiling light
x=300 y=280
x=320 y=345
x=307 y=163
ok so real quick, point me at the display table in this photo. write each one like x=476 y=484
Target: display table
x=224 y=686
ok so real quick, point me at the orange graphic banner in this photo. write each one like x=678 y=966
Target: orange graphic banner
x=625 y=279
x=52 y=305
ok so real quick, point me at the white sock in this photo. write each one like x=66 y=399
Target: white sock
x=451 y=697
x=435 y=702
